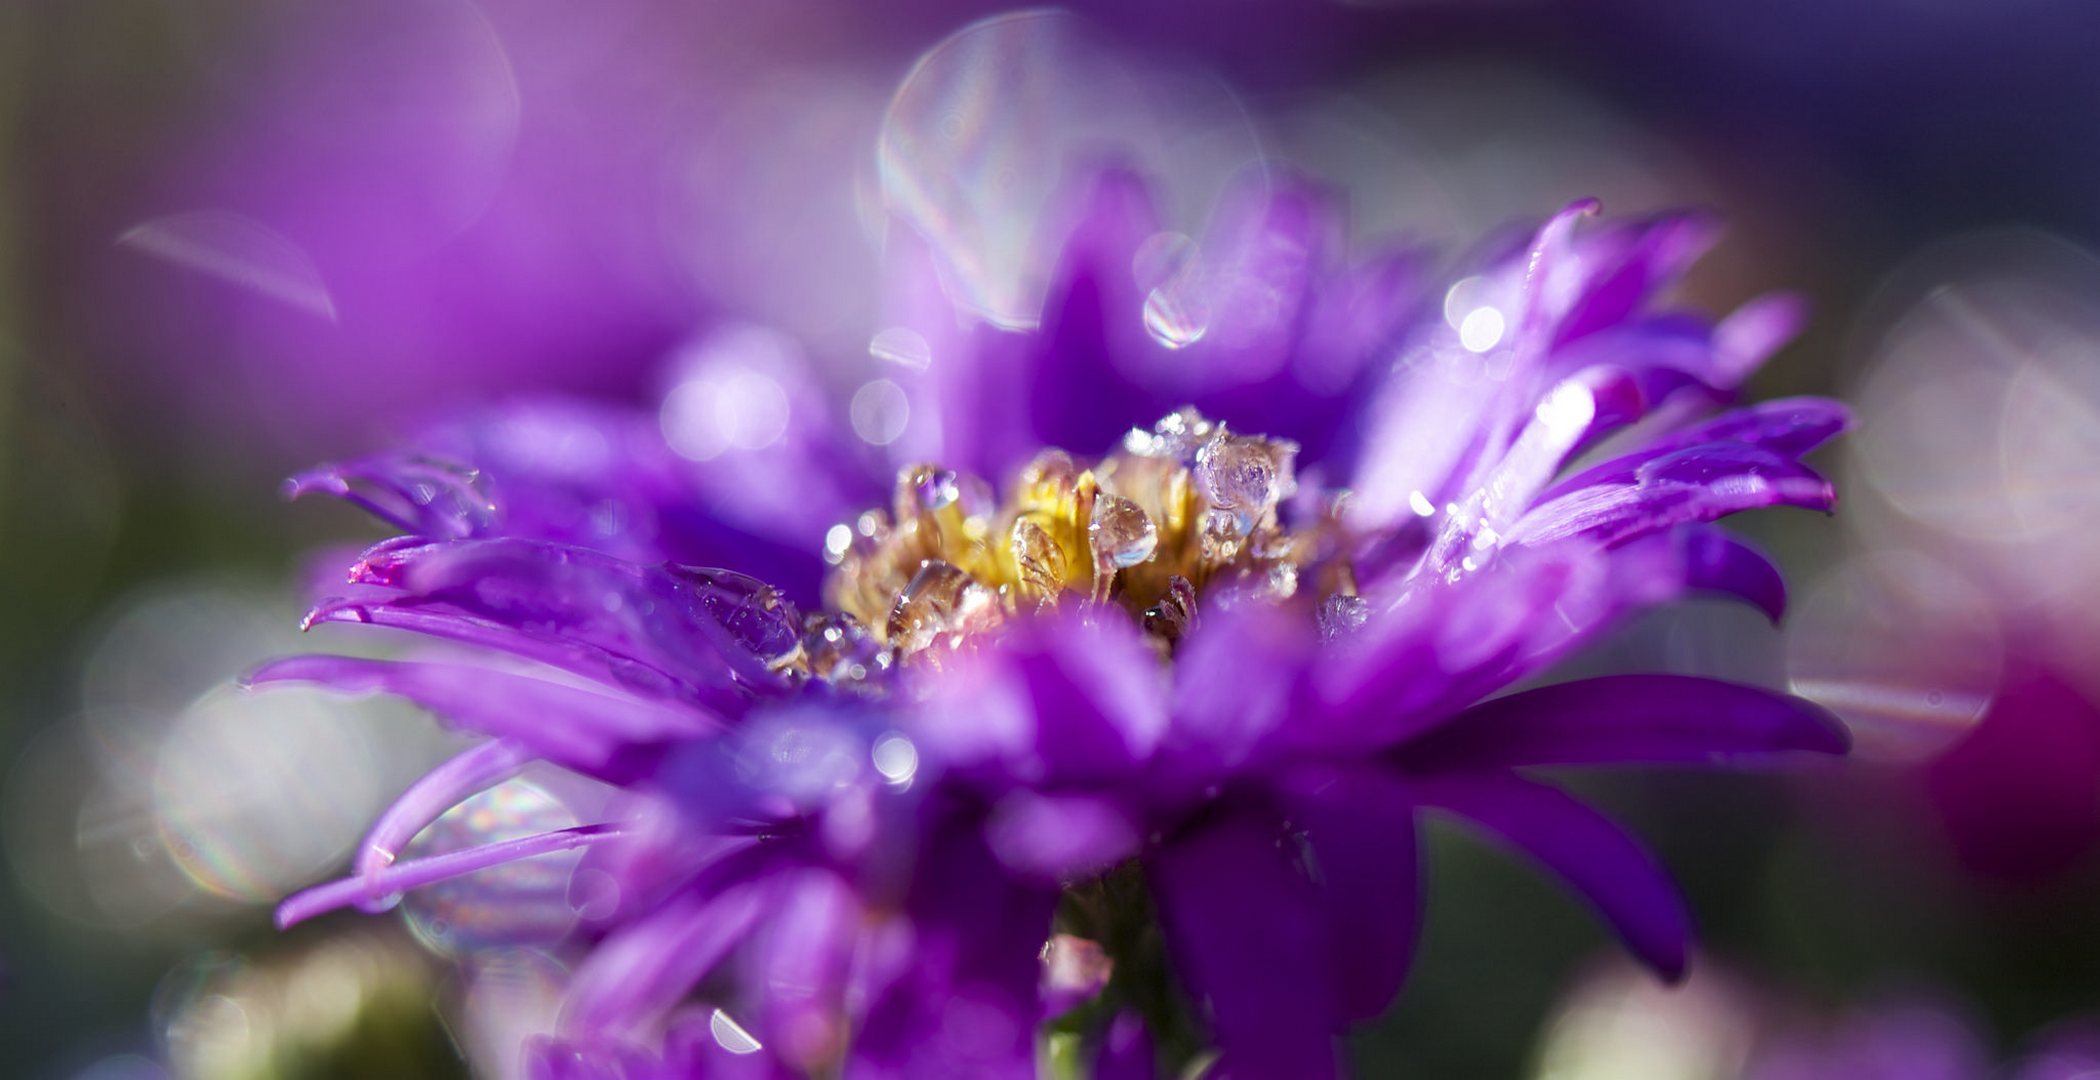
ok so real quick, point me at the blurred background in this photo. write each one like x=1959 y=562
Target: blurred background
x=240 y=238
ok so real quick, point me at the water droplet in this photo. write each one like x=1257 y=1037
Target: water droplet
x=1481 y=329
x=518 y=903
x=936 y=489
x=837 y=541
x=1341 y=616
x=1038 y=559
x=755 y=614
x=941 y=601
x=1177 y=315
x=841 y=650
x=1246 y=475
x=1121 y=534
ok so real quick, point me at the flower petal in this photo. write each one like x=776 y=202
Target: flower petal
x=1243 y=929
x=594 y=733
x=1584 y=849
x=1360 y=824
x=1623 y=719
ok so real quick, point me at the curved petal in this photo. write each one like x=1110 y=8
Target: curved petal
x=1583 y=848
x=591 y=732
x=1716 y=562
x=1789 y=427
x=1698 y=484
x=416 y=873
x=578 y=609
x=1625 y=719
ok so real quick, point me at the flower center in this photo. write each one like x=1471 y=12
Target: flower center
x=1183 y=509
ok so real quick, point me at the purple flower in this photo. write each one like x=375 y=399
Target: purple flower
x=1176 y=707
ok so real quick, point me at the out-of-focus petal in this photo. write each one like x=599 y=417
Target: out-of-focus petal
x=1715 y=562
x=1244 y=930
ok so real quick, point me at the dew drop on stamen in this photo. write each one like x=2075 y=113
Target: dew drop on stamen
x=1121 y=534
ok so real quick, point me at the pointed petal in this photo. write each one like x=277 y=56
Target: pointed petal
x=1625 y=719
x=1585 y=850
x=650 y=629
x=1693 y=485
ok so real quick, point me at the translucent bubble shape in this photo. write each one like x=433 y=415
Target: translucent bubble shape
x=990 y=121
x=517 y=903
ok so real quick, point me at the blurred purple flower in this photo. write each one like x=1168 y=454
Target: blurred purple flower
x=1183 y=701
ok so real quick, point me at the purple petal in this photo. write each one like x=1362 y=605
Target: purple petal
x=1360 y=823
x=647 y=966
x=591 y=732
x=441 y=789
x=1789 y=427
x=1126 y=1051
x=1693 y=485
x=1626 y=265
x=799 y=967
x=417 y=873
x=1060 y=837
x=1620 y=879
x=1752 y=333
x=1716 y=562
x=1244 y=931
x=1624 y=719
x=420 y=495
x=963 y=995
x=640 y=627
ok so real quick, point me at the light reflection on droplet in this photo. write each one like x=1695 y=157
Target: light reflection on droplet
x=896 y=758
x=879 y=411
x=240 y=251
x=1177 y=315
x=517 y=903
x=1902 y=647
x=731 y=1035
